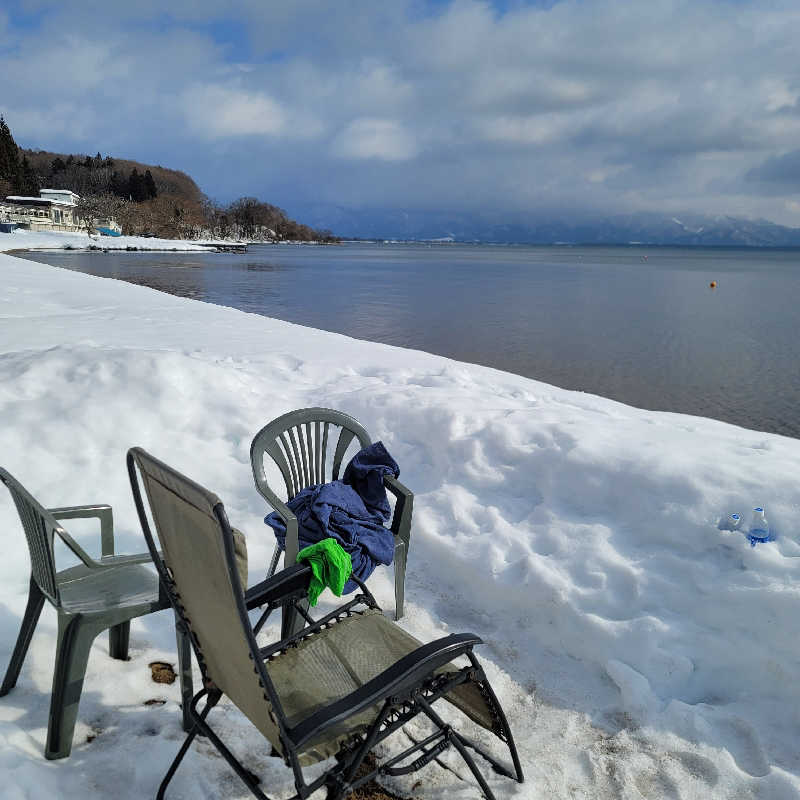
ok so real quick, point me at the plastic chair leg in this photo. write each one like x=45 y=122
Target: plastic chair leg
x=29 y=620
x=118 y=639
x=74 y=642
x=291 y=621
x=273 y=564
x=399 y=579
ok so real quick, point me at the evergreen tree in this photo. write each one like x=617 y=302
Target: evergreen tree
x=118 y=185
x=58 y=165
x=29 y=180
x=150 y=185
x=136 y=189
x=10 y=167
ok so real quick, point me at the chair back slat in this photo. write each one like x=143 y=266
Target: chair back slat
x=304 y=438
x=317 y=465
x=298 y=444
x=198 y=560
x=324 y=452
x=345 y=437
x=299 y=475
x=39 y=526
x=277 y=451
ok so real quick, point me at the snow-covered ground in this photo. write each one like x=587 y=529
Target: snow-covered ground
x=57 y=240
x=639 y=650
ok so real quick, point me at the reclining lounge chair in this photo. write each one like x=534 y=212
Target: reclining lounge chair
x=337 y=687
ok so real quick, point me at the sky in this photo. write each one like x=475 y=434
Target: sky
x=518 y=108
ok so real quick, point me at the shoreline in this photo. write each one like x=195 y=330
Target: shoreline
x=32 y=241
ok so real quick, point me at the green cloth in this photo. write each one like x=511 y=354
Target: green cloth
x=331 y=566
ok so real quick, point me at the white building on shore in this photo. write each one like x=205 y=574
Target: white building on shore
x=53 y=210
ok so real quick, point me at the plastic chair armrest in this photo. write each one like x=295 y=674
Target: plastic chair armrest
x=100 y=511
x=405 y=674
x=292 y=580
x=118 y=561
x=76 y=548
x=289 y=519
x=401 y=521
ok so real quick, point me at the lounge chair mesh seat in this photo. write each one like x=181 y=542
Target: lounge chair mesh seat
x=284 y=688
x=306 y=680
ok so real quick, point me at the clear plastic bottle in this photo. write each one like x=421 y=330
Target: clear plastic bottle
x=730 y=523
x=759 y=527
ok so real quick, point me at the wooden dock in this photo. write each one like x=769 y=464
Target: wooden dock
x=226 y=247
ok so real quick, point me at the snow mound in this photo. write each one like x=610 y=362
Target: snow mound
x=639 y=650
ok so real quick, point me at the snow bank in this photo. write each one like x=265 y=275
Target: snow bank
x=56 y=240
x=639 y=650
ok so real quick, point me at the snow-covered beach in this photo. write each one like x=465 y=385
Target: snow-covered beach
x=56 y=240
x=639 y=651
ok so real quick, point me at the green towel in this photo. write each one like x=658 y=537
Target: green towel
x=331 y=566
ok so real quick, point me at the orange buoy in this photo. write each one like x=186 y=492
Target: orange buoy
x=713 y=284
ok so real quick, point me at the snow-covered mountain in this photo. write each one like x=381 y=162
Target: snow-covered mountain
x=642 y=227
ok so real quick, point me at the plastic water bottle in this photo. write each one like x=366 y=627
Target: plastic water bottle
x=759 y=528
x=730 y=523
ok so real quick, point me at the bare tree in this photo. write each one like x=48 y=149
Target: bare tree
x=98 y=206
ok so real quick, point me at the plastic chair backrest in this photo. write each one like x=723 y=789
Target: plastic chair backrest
x=299 y=443
x=39 y=526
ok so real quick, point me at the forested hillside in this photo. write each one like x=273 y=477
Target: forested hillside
x=145 y=198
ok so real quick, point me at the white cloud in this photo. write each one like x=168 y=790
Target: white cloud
x=778 y=94
x=35 y=127
x=214 y=111
x=453 y=103
x=381 y=139
x=531 y=130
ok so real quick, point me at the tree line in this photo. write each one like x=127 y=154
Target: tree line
x=158 y=201
x=98 y=176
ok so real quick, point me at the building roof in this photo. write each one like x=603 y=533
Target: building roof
x=59 y=191
x=41 y=201
x=15 y=198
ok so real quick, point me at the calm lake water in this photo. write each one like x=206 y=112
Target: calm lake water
x=636 y=324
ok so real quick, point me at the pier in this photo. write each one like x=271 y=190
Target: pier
x=225 y=247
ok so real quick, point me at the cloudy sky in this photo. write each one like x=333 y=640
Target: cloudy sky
x=579 y=105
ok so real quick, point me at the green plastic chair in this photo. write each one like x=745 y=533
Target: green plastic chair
x=91 y=597
x=298 y=443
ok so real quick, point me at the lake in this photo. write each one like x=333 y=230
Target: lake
x=637 y=324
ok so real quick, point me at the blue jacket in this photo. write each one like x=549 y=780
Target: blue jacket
x=351 y=510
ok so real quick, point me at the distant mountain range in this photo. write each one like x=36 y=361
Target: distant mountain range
x=640 y=228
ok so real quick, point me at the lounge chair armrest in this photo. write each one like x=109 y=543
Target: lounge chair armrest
x=401 y=521
x=289 y=519
x=100 y=511
x=407 y=673
x=292 y=580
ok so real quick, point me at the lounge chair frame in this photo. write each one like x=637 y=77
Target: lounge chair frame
x=404 y=690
